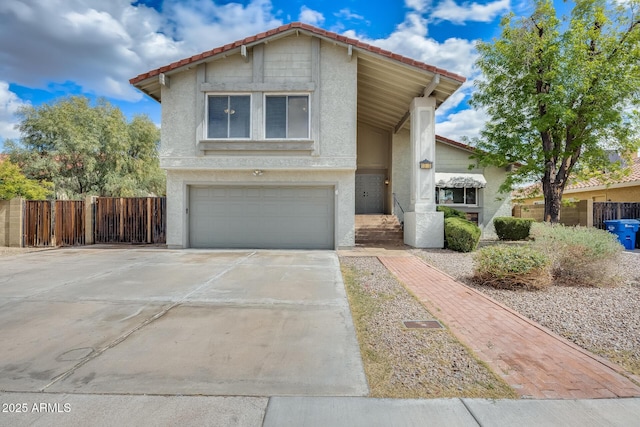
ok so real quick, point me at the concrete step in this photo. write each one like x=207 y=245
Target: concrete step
x=378 y=230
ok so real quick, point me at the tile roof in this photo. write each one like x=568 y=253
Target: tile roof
x=633 y=176
x=455 y=143
x=299 y=26
x=574 y=186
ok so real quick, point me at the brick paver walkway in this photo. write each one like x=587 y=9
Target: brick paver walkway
x=533 y=360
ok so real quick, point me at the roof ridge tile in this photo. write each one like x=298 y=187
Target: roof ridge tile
x=297 y=25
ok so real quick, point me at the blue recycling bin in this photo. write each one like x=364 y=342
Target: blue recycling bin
x=625 y=229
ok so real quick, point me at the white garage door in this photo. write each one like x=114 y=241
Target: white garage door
x=261 y=217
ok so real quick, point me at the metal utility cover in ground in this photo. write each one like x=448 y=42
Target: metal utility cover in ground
x=422 y=324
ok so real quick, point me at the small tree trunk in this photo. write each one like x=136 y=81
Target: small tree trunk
x=552 y=201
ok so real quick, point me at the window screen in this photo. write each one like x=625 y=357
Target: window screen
x=229 y=116
x=287 y=116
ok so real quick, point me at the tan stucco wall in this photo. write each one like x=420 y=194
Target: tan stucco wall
x=11 y=222
x=291 y=61
x=622 y=194
x=333 y=108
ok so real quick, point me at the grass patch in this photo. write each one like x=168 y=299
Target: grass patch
x=627 y=359
x=411 y=363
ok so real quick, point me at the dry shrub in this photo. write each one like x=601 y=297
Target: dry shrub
x=580 y=256
x=512 y=267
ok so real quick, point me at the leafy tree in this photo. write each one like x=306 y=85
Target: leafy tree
x=88 y=149
x=560 y=92
x=13 y=183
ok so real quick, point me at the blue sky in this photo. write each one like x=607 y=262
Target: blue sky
x=54 y=48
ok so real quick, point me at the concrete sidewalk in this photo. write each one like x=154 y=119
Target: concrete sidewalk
x=534 y=361
x=47 y=409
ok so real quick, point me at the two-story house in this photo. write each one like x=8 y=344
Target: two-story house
x=280 y=139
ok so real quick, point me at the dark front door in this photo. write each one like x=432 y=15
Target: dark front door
x=369 y=194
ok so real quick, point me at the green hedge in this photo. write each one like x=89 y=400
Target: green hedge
x=509 y=228
x=461 y=235
x=512 y=267
x=451 y=212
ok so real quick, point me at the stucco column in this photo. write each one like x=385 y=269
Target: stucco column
x=424 y=227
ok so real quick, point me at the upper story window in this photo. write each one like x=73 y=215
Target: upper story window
x=457 y=196
x=287 y=116
x=229 y=116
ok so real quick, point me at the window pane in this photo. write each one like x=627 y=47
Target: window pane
x=471 y=196
x=217 y=126
x=239 y=117
x=458 y=195
x=276 y=117
x=298 y=117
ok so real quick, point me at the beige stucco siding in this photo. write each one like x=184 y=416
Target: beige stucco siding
x=401 y=169
x=288 y=60
x=288 y=65
x=452 y=159
x=179 y=118
x=338 y=105
x=233 y=69
x=333 y=106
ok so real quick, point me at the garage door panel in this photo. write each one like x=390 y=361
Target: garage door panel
x=262 y=217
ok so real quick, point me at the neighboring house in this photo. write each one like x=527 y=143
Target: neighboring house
x=624 y=189
x=280 y=139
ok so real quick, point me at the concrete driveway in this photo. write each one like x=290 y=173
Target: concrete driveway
x=152 y=321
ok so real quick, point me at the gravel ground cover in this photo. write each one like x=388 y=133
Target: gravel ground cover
x=409 y=363
x=605 y=320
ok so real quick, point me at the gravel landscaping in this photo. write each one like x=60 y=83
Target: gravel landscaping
x=603 y=320
x=409 y=363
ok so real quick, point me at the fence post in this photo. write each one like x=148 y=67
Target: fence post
x=16 y=222
x=89 y=201
x=589 y=213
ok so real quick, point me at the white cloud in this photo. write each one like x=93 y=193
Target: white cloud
x=464 y=123
x=347 y=14
x=310 y=16
x=418 y=5
x=9 y=105
x=449 y=10
x=100 y=45
x=411 y=39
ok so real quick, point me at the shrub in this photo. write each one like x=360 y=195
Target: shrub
x=509 y=228
x=461 y=235
x=512 y=267
x=451 y=212
x=581 y=256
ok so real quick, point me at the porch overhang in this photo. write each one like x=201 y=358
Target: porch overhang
x=386 y=89
x=460 y=180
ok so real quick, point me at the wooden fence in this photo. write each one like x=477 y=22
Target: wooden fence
x=603 y=211
x=130 y=220
x=38 y=220
x=585 y=212
x=136 y=220
x=69 y=222
x=48 y=223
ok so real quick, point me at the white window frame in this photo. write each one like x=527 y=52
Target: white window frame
x=287 y=94
x=206 y=115
x=438 y=189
